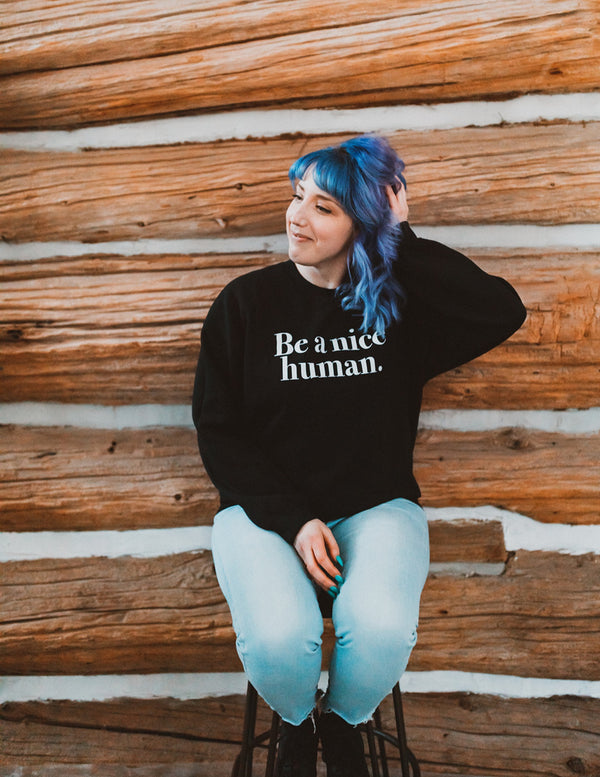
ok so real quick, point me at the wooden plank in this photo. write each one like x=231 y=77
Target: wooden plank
x=73 y=479
x=61 y=72
x=469 y=734
x=129 y=614
x=462 y=734
x=107 y=329
x=229 y=188
x=113 y=330
x=166 y=614
x=549 y=477
x=467 y=541
x=177 y=735
x=57 y=478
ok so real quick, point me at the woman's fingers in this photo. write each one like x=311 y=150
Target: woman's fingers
x=317 y=547
x=398 y=202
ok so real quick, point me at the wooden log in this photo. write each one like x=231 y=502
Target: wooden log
x=550 y=477
x=58 y=478
x=109 y=329
x=139 y=61
x=112 y=330
x=166 y=614
x=502 y=174
x=129 y=614
x=460 y=733
x=74 y=478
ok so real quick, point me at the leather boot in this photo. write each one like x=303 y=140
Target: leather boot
x=343 y=749
x=297 y=751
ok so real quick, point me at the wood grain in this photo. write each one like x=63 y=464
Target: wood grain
x=472 y=175
x=461 y=734
x=166 y=614
x=93 y=63
x=69 y=478
x=549 y=477
x=114 y=330
x=108 y=329
x=74 y=478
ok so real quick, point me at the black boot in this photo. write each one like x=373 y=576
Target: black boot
x=297 y=752
x=343 y=750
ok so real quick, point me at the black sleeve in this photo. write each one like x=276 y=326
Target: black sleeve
x=459 y=311
x=240 y=470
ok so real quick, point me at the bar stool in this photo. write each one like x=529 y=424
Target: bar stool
x=376 y=737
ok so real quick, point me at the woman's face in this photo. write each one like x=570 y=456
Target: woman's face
x=319 y=234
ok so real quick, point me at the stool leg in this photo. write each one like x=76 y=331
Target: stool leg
x=401 y=731
x=372 y=748
x=276 y=720
x=243 y=763
x=382 y=752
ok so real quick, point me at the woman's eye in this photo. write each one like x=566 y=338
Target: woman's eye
x=322 y=209
x=296 y=197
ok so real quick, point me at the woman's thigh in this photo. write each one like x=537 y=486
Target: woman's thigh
x=268 y=591
x=386 y=559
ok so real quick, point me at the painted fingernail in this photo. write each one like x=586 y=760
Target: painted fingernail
x=333 y=596
x=334 y=590
x=339 y=579
x=339 y=560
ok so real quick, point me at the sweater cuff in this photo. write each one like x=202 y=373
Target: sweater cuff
x=406 y=235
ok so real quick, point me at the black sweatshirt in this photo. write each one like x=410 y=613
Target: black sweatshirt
x=300 y=415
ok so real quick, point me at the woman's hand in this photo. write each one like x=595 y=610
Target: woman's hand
x=318 y=549
x=398 y=202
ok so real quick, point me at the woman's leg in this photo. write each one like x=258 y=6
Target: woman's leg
x=275 y=612
x=386 y=558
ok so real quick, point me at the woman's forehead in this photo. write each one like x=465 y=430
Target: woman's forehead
x=307 y=184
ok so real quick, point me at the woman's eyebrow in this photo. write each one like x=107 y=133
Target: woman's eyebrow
x=321 y=196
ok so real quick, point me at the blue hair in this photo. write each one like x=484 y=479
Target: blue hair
x=356 y=172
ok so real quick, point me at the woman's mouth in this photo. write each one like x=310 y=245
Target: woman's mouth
x=298 y=236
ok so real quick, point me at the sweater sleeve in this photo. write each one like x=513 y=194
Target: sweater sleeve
x=239 y=469
x=460 y=311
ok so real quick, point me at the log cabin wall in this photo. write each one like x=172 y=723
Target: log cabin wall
x=144 y=153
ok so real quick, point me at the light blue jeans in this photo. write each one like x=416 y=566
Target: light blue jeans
x=279 y=625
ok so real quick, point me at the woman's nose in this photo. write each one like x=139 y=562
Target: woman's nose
x=299 y=214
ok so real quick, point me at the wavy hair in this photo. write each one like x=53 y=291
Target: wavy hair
x=356 y=172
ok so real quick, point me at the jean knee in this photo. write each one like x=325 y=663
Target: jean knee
x=379 y=630
x=279 y=643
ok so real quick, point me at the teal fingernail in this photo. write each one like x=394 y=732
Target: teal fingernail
x=339 y=560
x=339 y=578
x=332 y=594
x=334 y=590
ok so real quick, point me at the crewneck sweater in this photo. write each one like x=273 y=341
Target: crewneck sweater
x=301 y=415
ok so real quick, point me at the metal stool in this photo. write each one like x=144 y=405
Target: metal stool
x=376 y=737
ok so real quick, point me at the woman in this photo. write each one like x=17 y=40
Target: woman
x=306 y=403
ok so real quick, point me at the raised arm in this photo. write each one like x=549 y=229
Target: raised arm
x=460 y=311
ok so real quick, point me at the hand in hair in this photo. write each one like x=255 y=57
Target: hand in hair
x=318 y=549
x=398 y=202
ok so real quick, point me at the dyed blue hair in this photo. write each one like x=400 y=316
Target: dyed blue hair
x=356 y=173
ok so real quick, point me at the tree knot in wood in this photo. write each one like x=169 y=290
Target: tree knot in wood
x=576 y=765
x=112 y=446
x=467 y=703
x=515 y=439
